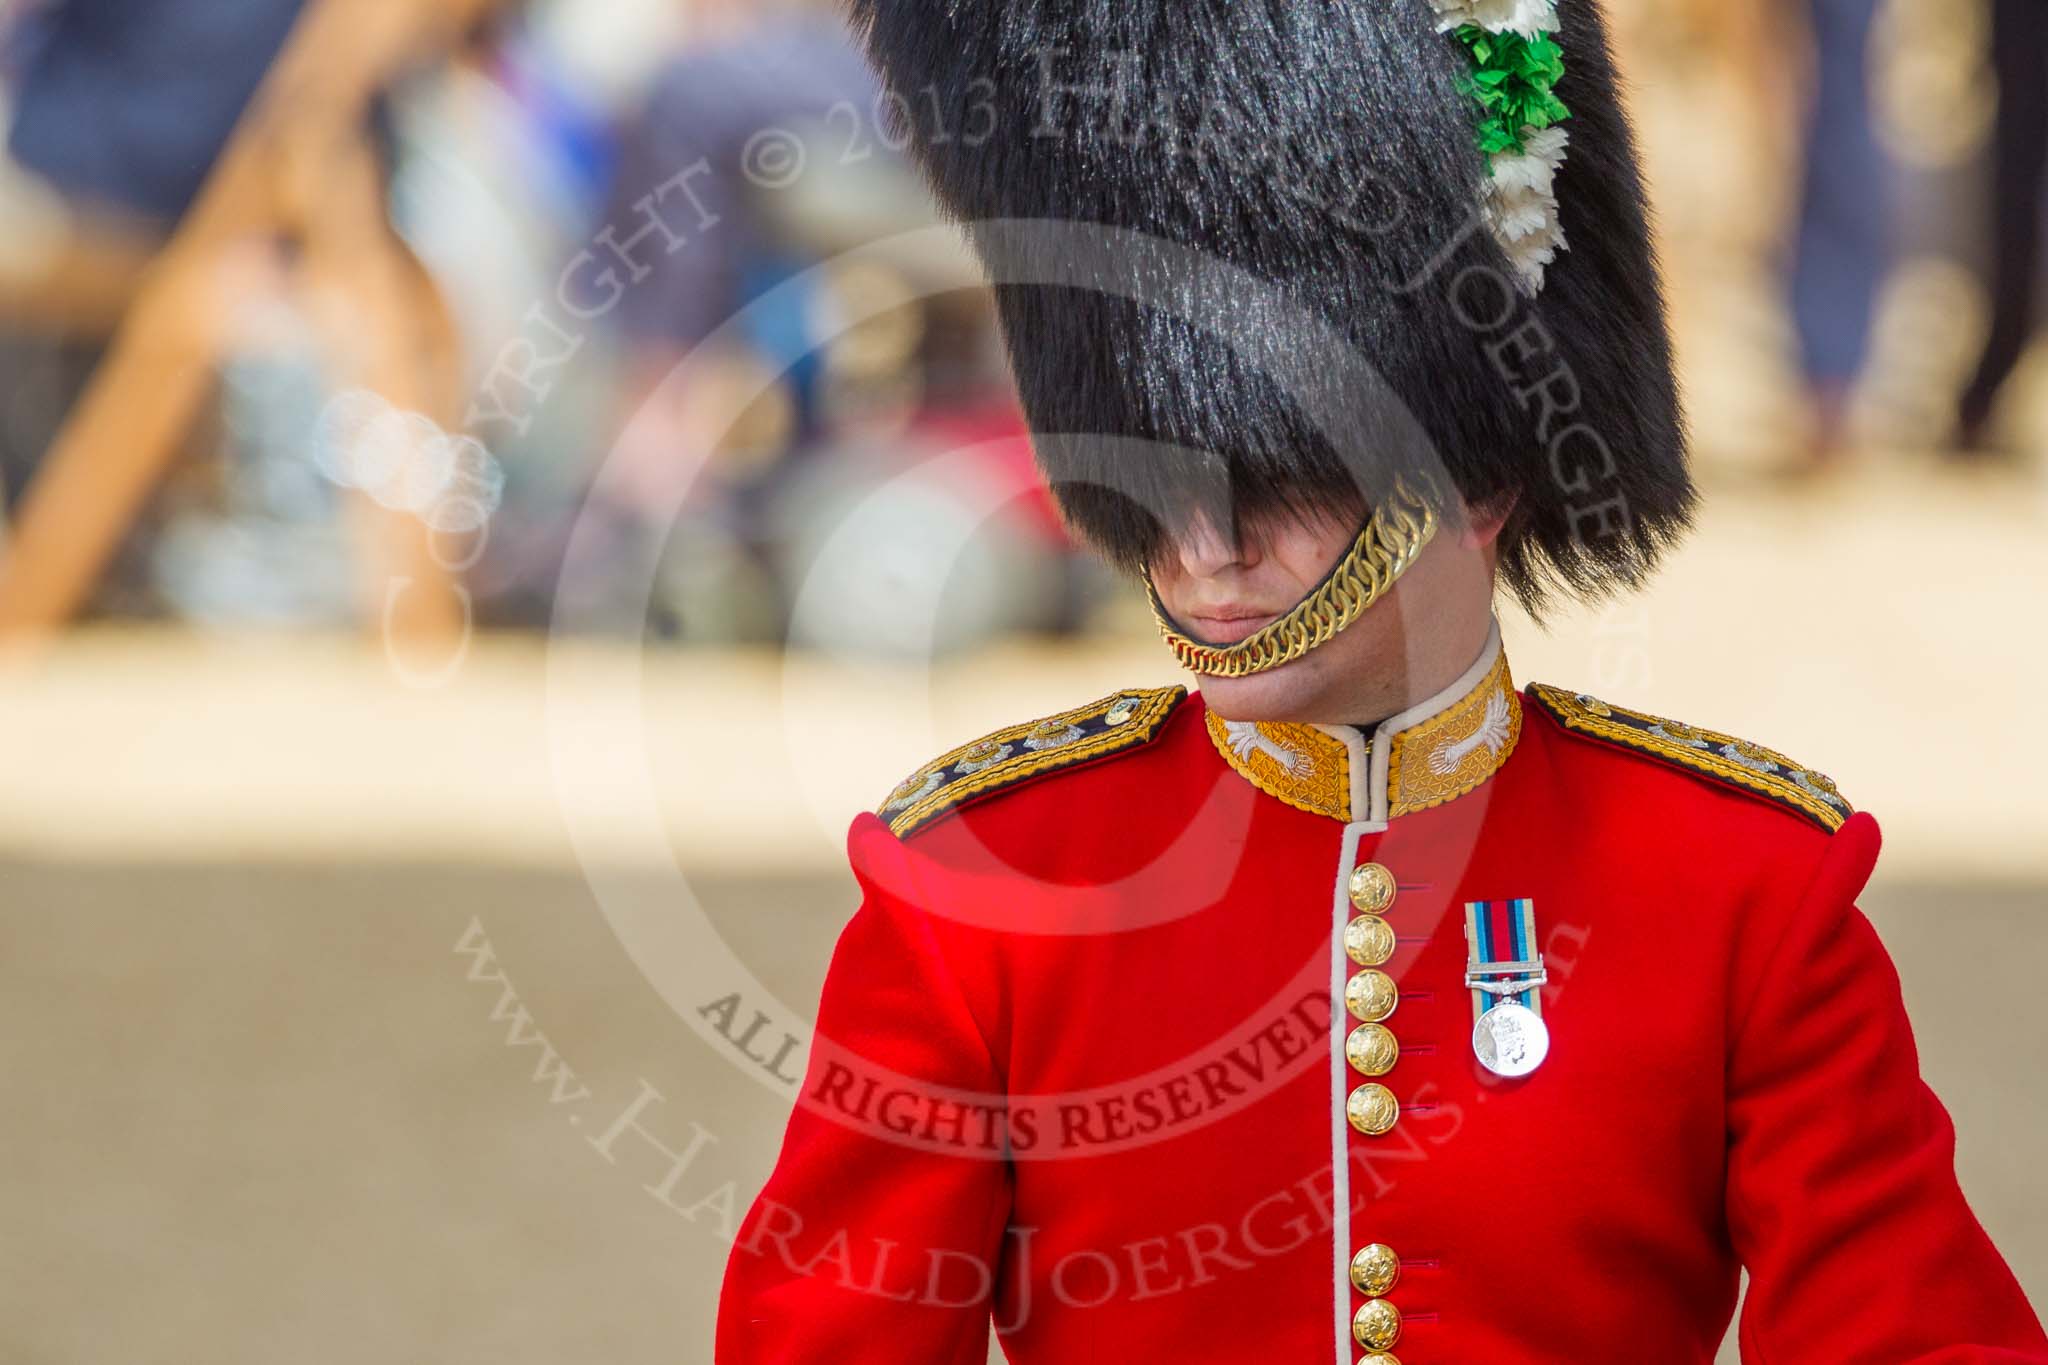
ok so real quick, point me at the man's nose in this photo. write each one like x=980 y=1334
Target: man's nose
x=1205 y=551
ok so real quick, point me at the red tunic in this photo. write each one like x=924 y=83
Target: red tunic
x=1087 y=1068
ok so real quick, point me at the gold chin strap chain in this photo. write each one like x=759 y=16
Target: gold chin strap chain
x=1382 y=553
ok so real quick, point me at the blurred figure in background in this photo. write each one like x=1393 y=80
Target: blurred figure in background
x=125 y=104
x=681 y=171
x=755 y=69
x=119 y=110
x=767 y=143
x=2019 y=60
x=1842 y=246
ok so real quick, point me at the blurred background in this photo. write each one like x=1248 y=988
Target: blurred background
x=408 y=407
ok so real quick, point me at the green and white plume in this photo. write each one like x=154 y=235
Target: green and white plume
x=1516 y=63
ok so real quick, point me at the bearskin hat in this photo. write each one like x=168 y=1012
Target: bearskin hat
x=1385 y=284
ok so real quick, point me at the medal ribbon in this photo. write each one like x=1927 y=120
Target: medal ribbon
x=1500 y=938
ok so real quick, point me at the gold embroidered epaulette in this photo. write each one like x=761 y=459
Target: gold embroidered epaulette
x=1122 y=720
x=1755 y=769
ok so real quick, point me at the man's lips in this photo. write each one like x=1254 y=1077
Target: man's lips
x=1228 y=625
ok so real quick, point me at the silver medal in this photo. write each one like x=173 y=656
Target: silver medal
x=1510 y=1039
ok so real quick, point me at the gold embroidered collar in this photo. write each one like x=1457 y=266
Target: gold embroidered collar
x=1431 y=753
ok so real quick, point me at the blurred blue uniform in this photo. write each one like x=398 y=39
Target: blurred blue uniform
x=708 y=105
x=127 y=103
x=1843 y=245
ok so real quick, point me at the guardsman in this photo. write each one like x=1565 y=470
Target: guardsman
x=1365 y=1006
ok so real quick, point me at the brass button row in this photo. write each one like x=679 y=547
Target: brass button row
x=1370 y=995
x=1371 y=1050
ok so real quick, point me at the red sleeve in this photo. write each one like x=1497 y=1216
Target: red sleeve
x=1842 y=1194
x=878 y=1234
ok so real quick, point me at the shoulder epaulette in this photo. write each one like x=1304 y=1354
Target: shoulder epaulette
x=1122 y=720
x=1751 y=767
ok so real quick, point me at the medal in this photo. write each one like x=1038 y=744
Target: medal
x=1510 y=1040
x=1505 y=974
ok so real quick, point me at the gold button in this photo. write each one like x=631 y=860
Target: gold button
x=1372 y=1050
x=1374 y=1269
x=1370 y=995
x=1377 y=1325
x=1378 y=1358
x=1372 y=888
x=1369 y=940
x=1372 y=1109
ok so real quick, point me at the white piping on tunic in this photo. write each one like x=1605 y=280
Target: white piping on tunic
x=1340 y=1087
